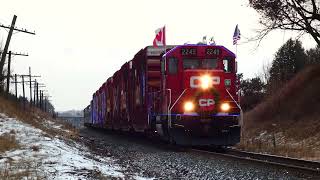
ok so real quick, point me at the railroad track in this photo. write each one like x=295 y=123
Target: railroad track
x=310 y=166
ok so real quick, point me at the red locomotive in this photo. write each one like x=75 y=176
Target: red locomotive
x=186 y=95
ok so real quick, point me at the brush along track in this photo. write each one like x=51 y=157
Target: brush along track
x=301 y=165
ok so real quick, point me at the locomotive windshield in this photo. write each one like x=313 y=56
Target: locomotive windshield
x=209 y=64
x=191 y=63
x=200 y=64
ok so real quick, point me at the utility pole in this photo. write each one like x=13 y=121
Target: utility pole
x=41 y=85
x=30 y=85
x=3 y=57
x=37 y=85
x=9 y=68
x=38 y=96
x=8 y=75
x=34 y=92
x=45 y=103
x=30 y=81
x=15 y=79
x=23 y=81
x=47 y=96
x=24 y=96
x=41 y=99
x=6 y=47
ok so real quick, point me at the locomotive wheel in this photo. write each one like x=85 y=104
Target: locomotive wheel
x=171 y=140
x=166 y=132
x=168 y=135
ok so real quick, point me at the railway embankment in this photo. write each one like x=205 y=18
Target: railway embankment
x=288 y=122
x=35 y=146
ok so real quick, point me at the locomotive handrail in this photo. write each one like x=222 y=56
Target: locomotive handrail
x=233 y=99
x=169 y=110
x=241 y=112
x=178 y=98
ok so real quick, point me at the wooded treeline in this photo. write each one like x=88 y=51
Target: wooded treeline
x=290 y=59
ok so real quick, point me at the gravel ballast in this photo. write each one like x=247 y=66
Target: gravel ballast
x=150 y=158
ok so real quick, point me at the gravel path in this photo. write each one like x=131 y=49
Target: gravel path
x=140 y=156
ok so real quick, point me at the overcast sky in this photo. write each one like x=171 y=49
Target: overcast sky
x=80 y=43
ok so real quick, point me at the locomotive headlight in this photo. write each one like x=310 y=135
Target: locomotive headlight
x=225 y=107
x=205 y=81
x=188 y=106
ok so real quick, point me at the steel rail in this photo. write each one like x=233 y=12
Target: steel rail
x=310 y=166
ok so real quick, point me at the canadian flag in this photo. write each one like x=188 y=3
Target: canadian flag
x=160 y=39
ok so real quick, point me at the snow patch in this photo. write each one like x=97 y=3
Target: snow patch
x=53 y=158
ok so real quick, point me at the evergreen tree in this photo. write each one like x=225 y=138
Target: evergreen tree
x=313 y=56
x=289 y=60
x=253 y=92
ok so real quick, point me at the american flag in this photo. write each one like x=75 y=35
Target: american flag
x=236 y=35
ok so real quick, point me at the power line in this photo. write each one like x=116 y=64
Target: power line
x=6 y=47
x=16 y=54
x=19 y=30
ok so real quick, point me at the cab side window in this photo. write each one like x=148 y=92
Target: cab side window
x=227 y=65
x=163 y=64
x=173 y=65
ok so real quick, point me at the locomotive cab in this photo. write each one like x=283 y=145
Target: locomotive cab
x=200 y=105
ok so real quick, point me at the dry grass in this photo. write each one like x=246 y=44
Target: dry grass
x=23 y=169
x=294 y=112
x=36 y=117
x=8 y=142
x=28 y=169
x=297 y=99
x=272 y=145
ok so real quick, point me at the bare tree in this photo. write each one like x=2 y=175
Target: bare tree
x=264 y=73
x=298 y=15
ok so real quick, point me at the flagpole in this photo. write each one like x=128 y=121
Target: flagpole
x=165 y=40
x=237 y=50
x=165 y=44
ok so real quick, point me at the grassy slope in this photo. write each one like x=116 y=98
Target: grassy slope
x=38 y=119
x=288 y=123
x=35 y=117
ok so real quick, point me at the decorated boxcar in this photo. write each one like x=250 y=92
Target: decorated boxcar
x=185 y=94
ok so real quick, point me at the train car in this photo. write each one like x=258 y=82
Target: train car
x=87 y=115
x=145 y=79
x=100 y=107
x=185 y=94
x=109 y=104
x=94 y=109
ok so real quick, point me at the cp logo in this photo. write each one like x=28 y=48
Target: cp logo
x=195 y=81
x=206 y=102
